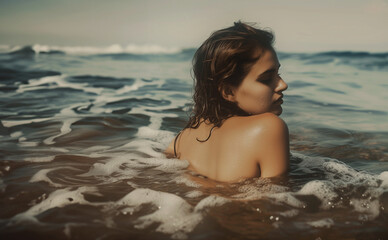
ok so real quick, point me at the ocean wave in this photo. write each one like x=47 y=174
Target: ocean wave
x=182 y=55
x=352 y=54
x=88 y=50
x=149 y=53
x=156 y=49
x=155 y=53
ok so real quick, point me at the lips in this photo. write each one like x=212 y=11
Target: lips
x=279 y=101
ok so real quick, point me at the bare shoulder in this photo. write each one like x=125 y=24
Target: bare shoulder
x=267 y=143
x=256 y=126
x=268 y=119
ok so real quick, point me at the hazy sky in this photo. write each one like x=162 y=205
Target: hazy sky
x=299 y=25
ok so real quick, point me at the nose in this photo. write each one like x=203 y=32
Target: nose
x=281 y=86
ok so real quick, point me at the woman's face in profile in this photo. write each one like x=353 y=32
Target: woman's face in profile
x=261 y=90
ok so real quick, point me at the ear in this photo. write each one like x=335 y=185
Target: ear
x=227 y=93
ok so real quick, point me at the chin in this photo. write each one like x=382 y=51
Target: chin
x=277 y=111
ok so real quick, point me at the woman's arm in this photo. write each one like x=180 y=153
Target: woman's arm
x=272 y=146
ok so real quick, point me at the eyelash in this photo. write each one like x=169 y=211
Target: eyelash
x=270 y=79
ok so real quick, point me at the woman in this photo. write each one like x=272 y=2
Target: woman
x=234 y=131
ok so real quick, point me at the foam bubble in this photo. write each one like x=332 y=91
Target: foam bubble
x=369 y=209
x=184 y=180
x=174 y=214
x=194 y=194
x=323 y=190
x=323 y=223
x=172 y=165
x=339 y=175
x=384 y=178
x=258 y=189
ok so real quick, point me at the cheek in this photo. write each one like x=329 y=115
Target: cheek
x=254 y=99
x=262 y=94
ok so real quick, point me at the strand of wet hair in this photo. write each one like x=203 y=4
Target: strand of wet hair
x=211 y=130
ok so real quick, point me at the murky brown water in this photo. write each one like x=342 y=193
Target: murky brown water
x=80 y=154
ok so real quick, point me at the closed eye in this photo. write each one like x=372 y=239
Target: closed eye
x=267 y=78
x=269 y=75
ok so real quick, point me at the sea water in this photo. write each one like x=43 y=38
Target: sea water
x=83 y=129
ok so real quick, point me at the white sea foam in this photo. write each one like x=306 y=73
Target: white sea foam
x=341 y=175
x=143 y=145
x=114 y=165
x=172 y=165
x=12 y=123
x=323 y=223
x=156 y=135
x=194 y=194
x=65 y=129
x=28 y=144
x=338 y=175
x=162 y=164
x=133 y=185
x=41 y=176
x=211 y=201
x=175 y=215
x=308 y=162
x=127 y=89
x=39 y=159
x=384 y=178
x=258 y=189
x=180 y=179
x=289 y=213
x=16 y=134
x=286 y=198
x=56 y=82
x=367 y=209
x=323 y=190
x=96 y=149
x=112 y=49
x=58 y=198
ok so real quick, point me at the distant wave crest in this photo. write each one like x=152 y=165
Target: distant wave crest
x=150 y=53
x=88 y=50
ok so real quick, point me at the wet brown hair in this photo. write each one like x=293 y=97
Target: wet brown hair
x=219 y=65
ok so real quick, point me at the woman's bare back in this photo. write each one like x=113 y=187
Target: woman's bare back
x=242 y=147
